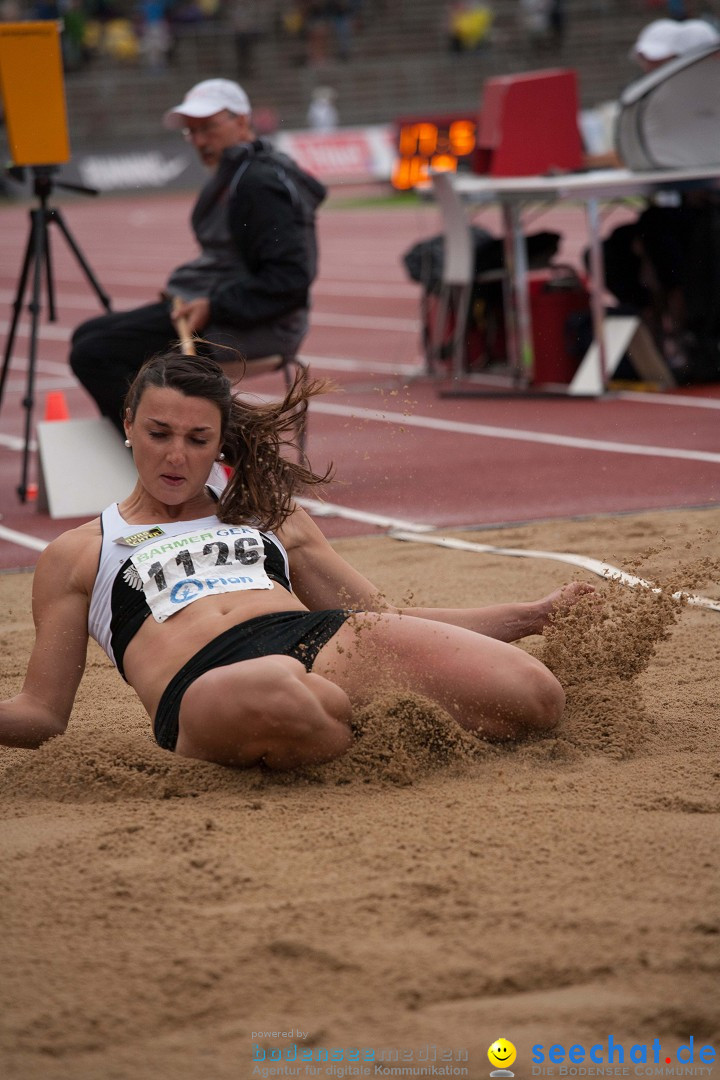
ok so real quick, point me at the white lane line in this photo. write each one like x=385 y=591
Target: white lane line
x=47 y=367
x=345 y=363
x=43 y=383
x=46 y=331
x=324 y=509
x=364 y=322
x=515 y=434
x=84 y=301
x=15 y=442
x=373 y=291
x=669 y=399
x=22 y=539
x=602 y=569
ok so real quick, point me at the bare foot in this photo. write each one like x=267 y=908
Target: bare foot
x=560 y=600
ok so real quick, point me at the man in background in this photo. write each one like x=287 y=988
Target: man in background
x=249 y=288
x=665 y=39
x=665 y=265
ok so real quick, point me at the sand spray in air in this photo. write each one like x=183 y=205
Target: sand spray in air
x=599 y=648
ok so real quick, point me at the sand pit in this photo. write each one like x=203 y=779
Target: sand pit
x=418 y=899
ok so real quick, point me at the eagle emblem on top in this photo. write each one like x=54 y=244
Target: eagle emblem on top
x=131 y=577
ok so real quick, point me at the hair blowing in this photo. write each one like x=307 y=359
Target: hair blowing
x=263 y=482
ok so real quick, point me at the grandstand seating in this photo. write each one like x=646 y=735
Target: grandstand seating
x=400 y=64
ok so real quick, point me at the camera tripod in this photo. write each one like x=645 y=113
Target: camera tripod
x=38 y=258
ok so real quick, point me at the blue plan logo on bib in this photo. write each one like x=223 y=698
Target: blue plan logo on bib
x=185 y=591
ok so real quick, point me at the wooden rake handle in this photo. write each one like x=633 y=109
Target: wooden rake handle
x=187 y=341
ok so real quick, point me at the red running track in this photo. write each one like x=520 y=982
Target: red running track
x=400 y=450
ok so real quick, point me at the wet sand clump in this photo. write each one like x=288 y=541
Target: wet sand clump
x=402 y=737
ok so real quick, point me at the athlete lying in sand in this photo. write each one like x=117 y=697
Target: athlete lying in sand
x=188 y=591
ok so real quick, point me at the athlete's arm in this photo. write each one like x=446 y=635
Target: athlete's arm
x=320 y=577
x=60 y=611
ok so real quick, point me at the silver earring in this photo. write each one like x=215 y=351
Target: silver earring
x=221 y=457
x=128 y=443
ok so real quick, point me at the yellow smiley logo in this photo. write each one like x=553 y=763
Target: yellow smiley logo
x=502 y=1053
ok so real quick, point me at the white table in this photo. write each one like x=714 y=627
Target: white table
x=513 y=194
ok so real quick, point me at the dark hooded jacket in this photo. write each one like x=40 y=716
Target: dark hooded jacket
x=255 y=223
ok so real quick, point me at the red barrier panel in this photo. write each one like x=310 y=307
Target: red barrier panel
x=529 y=124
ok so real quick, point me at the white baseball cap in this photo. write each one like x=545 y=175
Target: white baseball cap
x=657 y=40
x=208 y=98
x=665 y=38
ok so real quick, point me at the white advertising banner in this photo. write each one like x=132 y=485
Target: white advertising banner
x=358 y=154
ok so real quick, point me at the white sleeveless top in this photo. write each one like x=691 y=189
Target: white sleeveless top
x=159 y=569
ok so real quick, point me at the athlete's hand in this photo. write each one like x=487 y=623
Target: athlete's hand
x=193 y=314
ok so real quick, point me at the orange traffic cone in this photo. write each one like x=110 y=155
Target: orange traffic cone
x=56 y=406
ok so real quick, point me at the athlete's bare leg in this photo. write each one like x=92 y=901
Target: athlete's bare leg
x=509 y=622
x=488 y=686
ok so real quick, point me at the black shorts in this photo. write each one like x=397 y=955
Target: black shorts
x=300 y=634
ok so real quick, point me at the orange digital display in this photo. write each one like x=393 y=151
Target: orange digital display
x=446 y=142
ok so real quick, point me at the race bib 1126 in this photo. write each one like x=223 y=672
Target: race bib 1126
x=175 y=571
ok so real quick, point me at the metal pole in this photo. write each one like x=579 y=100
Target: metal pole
x=597 y=288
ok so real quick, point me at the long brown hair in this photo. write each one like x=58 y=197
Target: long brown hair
x=263 y=482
